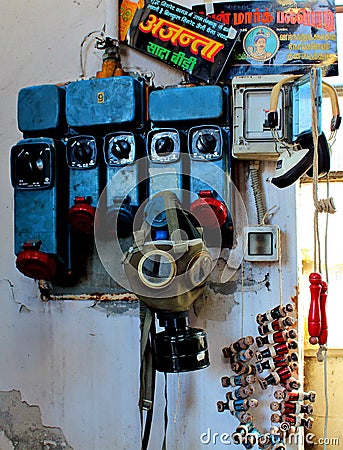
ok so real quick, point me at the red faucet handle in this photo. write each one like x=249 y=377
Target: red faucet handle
x=314 y=316
x=323 y=337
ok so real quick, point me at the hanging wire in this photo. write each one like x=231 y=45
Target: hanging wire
x=321 y=205
x=92 y=35
x=242 y=298
x=177 y=403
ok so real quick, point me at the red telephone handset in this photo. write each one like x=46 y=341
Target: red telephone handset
x=314 y=315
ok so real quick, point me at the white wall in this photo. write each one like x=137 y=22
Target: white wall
x=79 y=364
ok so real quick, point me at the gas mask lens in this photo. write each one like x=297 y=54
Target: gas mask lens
x=199 y=268
x=157 y=269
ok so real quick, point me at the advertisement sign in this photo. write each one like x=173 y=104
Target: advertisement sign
x=175 y=35
x=279 y=37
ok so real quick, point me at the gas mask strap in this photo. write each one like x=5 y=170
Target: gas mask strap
x=147 y=372
x=172 y=208
x=139 y=236
x=164 y=443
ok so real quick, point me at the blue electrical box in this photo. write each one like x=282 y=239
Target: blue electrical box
x=125 y=179
x=187 y=104
x=41 y=110
x=167 y=164
x=209 y=147
x=105 y=102
x=40 y=207
x=209 y=169
x=84 y=182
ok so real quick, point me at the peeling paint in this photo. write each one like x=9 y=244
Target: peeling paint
x=214 y=305
x=114 y=308
x=11 y=286
x=5 y=443
x=22 y=426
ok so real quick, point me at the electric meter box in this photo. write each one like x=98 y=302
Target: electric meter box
x=105 y=102
x=188 y=104
x=252 y=138
x=40 y=197
x=41 y=109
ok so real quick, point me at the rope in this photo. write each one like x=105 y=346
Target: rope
x=327 y=206
x=321 y=205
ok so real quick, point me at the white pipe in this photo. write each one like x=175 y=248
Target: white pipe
x=112 y=19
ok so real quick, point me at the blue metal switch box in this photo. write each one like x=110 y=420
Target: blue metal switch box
x=84 y=182
x=41 y=110
x=167 y=164
x=125 y=179
x=209 y=150
x=41 y=235
x=186 y=104
x=105 y=102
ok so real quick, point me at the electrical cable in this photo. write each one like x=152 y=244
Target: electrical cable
x=242 y=297
x=164 y=443
x=257 y=190
x=326 y=391
x=178 y=398
x=96 y=33
x=280 y=276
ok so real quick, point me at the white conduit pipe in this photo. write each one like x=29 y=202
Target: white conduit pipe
x=112 y=19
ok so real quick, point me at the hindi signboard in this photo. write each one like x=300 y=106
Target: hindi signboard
x=175 y=35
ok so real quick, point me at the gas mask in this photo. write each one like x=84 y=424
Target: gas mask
x=167 y=268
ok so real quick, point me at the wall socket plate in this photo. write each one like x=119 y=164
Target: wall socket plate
x=262 y=243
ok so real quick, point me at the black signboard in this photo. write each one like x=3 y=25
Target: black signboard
x=279 y=37
x=174 y=34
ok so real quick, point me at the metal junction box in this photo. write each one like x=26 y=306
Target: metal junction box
x=41 y=109
x=187 y=104
x=252 y=138
x=84 y=181
x=40 y=206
